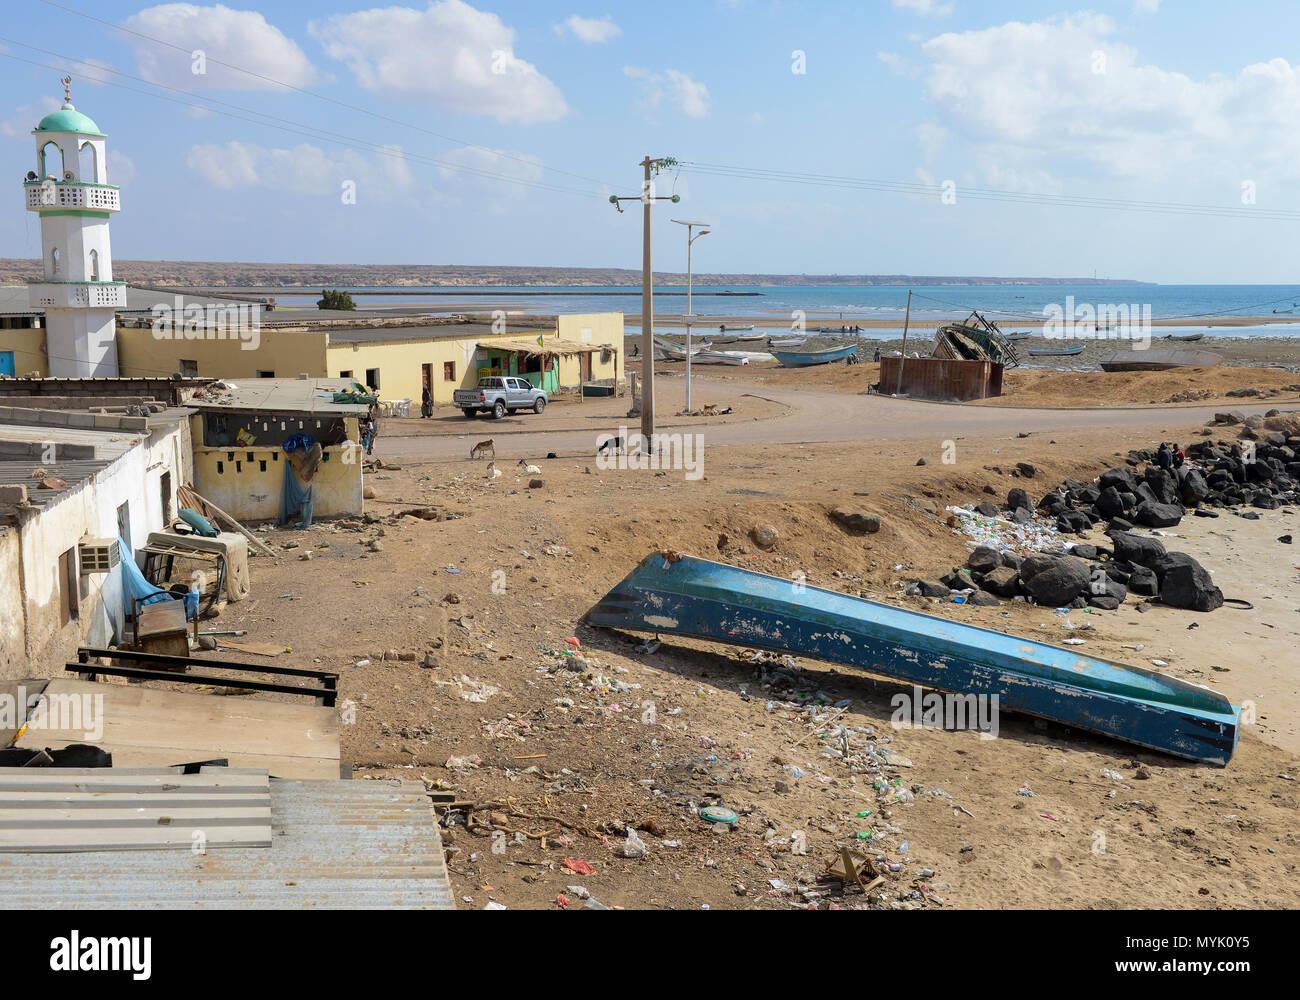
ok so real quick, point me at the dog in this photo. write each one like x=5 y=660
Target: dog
x=710 y=409
x=613 y=446
x=482 y=448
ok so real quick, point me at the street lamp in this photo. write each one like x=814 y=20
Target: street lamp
x=690 y=313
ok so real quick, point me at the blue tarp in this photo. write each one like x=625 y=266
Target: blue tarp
x=134 y=585
x=297 y=499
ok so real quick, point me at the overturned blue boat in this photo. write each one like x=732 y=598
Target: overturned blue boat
x=682 y=595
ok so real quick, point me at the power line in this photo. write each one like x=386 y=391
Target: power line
x=989 y=194
x=281 y=124
x=318 y=96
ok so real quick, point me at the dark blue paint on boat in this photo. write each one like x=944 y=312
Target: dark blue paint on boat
x=695 y=597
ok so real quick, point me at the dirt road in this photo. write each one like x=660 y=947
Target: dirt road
x=781 y=416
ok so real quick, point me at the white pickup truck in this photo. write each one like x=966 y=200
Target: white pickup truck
x=499 y=395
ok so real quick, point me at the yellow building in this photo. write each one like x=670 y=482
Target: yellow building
x=396 y=360
x=238 y=438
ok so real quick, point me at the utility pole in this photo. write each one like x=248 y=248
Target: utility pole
x=690 y=312
x=651 y=166
x=902 y=355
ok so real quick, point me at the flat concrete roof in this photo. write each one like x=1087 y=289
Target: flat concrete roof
x=448 y=331
x=281 y=395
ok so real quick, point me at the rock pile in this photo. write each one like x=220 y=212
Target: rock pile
x=1261 y=472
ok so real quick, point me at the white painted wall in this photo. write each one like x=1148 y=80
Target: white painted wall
x=88 y=510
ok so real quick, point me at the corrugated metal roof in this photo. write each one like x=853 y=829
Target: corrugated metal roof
x=334 y=845
x=72 y=473
x=66 y=809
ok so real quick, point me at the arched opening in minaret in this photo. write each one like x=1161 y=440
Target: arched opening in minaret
x=52 y=161
x=87 y=164
x=94 y=265
x=54 y=262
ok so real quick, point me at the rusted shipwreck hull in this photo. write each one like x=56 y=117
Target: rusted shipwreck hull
x=682 y=595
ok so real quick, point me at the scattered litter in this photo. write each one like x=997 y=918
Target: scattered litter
x=579 y=866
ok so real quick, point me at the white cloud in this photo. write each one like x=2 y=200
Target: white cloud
x=121 y=168
x=687 y=95
x=522 y=166
x=591 y=30
x=303 y=169
x=208 y=35
x=1063 y=87
x=926 y=8
x=25 y=118
x=449 y=54
x=1146 y=6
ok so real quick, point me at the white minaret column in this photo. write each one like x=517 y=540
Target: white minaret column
x=70 y=192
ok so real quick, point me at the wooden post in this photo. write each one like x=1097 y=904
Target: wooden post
x=902 y=355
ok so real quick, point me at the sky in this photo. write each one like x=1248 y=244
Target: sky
x=494 y=131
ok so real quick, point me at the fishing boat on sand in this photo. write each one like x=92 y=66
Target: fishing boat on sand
x=677 y=594
x=805 y=359
x=786 y=341
x=720 y=358
x=1158 y=361
x=1056 y=352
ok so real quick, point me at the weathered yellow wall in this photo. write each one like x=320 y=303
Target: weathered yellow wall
x=399 y=364
x=247 y=493
x=29 y=351
x=288 y=354
x=399 y=361
x=593 y=328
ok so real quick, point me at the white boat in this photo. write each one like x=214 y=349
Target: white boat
x=738 y=338
x=786 y=341
x=720 y=358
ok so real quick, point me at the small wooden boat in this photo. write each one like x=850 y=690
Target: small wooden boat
x=739 y=338
x=673 y=593
x=1186 y=338
x=720 y=358
x=735 y=329
x=805 y=359
x=1158 y=360
x=1057 y=352
x=786 y=341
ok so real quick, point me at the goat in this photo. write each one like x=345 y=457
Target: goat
x=483 y=446
x=529 y=470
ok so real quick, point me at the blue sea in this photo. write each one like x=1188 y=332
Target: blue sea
x=1014 y=307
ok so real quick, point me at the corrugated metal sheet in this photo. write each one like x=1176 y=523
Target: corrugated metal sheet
x=942 y=378
x=58 y=809
x=335 y=845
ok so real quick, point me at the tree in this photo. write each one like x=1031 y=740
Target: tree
x=332 y=299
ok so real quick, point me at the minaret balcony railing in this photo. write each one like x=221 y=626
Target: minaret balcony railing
x=77 y=294
x=72 y=195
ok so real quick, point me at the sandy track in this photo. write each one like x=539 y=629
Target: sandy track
x=815 y=417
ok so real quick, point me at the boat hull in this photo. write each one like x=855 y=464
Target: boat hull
x=806 y=359
x=682 y=595
x=1064 y=352
x=1158 y=360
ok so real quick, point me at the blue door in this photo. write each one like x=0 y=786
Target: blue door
x=6 y=362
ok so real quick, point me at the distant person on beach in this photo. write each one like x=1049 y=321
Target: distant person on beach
x=1164 y=456
x=876 y=358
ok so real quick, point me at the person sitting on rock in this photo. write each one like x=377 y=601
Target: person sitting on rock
x=1164 y=456
x=1179 y=456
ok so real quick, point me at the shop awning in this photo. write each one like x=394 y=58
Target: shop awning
x=552 y=348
